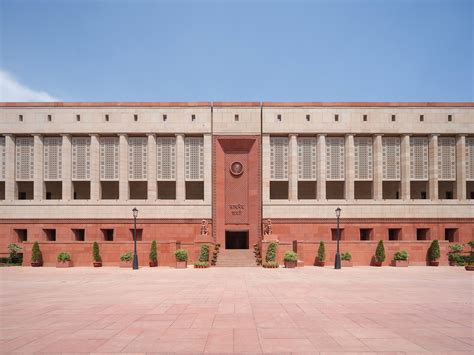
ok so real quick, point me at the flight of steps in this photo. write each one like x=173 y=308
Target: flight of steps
x=236 y=257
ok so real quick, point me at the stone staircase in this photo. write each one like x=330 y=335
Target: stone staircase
x=236 y=257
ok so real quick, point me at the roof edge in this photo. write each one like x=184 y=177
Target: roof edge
x=106 y=104
x=368 y=104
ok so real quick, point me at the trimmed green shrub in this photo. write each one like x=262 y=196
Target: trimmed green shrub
x=270 y=264
x=36 y=256
x=456 y=258
x=456 y=248
x=400 y=255
x=128 y=256
x=181 y=255
x=290 y=256
x=321 y=252
x=153 y=252
x=15 y=257
x=204 y=255
x=380 y=252
x=271 y=251
x=63 y=257
x=433 y=251
x=201 y=264
x=471 y=244
x=346 y=256
x=96 y=253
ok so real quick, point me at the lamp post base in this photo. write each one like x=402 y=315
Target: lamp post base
x=337 y=264
x=135 y=262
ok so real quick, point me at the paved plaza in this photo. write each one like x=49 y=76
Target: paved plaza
x=236 y=310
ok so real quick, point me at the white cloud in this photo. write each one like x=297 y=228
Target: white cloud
x=12 y=90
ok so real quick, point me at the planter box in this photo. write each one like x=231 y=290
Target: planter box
x=346 y=263
x=61 y=264
x=290 y=264
x=433 y=263
x=97 y=263
x=36 y=263
x=181 y=264
x=153 y=263
x=201 y=266
x=320 y=263
x=400 y=263
x=377 y=263
x=126 y=264
x=469 y=267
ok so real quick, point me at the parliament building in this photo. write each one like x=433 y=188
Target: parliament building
x=71 y=173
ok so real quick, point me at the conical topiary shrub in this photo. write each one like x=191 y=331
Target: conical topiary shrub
x=153 y=254
x=97 y=259
x=321 y=253
x=434 y=253
x=379 y=253
x=36 y=256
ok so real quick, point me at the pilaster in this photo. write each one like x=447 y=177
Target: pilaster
x=95 y=167
x=349 y=167
x=293 y=168
x=123 y=168
x=66 y=166
x=461 y=167
x=10 y=184
x=378 y=168
x=180 y=174
x=266 y=168
x=433 y=166
x=321 y=155
x=405 y=166
x=38 y=186
x=208 y=168
x=151 y=169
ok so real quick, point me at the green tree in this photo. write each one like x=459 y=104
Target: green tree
x=153 y=252
x=36 y=256
x=271 y=251
x=433 y=251
x=321 y=252
x=380 y=252
x=96 y=253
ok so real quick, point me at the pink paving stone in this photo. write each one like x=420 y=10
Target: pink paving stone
x=236 y=310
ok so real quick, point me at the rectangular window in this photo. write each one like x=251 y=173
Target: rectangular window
x=22 y=235
x=194 y=158
x=278 y=158
x=470 y=158
x=109 y=158
x=137 y=158
x=166 y=158
x=139 y=234
x=451 y=235
x=166 y=190
x=50 y=234
x=108 y=235
x=394 y=234
x=391 y=158
x=334 y=234
x=422 y=234
x=194 y=190
x=363 y=158
x=365 y=234
x=2 y=159
x=53 y=158
x=419 y=158
x=25 y=158
x=447 y=158
x=335 y=158
x=81 y=158
x=79 y=235
x=307 y=159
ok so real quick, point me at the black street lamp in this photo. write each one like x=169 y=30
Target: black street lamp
x=135 y=257
x=337 y=264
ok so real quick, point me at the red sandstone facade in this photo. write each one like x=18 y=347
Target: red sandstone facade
x=239 y=198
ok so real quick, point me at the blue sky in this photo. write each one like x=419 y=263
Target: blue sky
x=417 y=50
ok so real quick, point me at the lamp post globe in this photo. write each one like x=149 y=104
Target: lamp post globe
x=135 y=257
x=337 y=262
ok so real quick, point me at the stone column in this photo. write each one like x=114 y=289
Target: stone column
x=123 y=168
x=151 y=169
x=10 y=183
x=293 y=168
x=180 y=173
x=265 y=168
x=433 y=166
x=66 y=166
x=349 y=167
x=405 y=165
x=378 y=168
x=321 y=182
x=95 y=167
x=461 y=167
x=208 y=168
x=39 y=168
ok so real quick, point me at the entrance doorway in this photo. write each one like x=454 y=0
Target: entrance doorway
x=237 y=240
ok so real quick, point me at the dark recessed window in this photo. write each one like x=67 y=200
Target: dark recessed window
x=165 y=117
x=308 y=118
x=336 y=118
x=49 y=118
x=193 y=117
x=78 y=118
x=20 y=117
x=450 y=118
x=279 y=117
x=422 y=118
x=393 y=118
x=364 y=118
x=236 y=118
x=135 y=118
x=107 y=118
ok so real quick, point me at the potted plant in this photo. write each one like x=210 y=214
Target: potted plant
x=64 y=259
x=321 y=254
x=153 y=255
x=470 y=258
x=126 y=259
x=181 y=259
x=290 y=259
x=96 y=258
x=15 y=258
x=36 y=256
x=454 y=255
x=379 y=256
x=346 y=259
x=400 y=259
x=203 y=258
x=434 y=253
x=270 y=257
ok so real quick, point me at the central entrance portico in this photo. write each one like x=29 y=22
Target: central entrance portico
x=236 y=239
